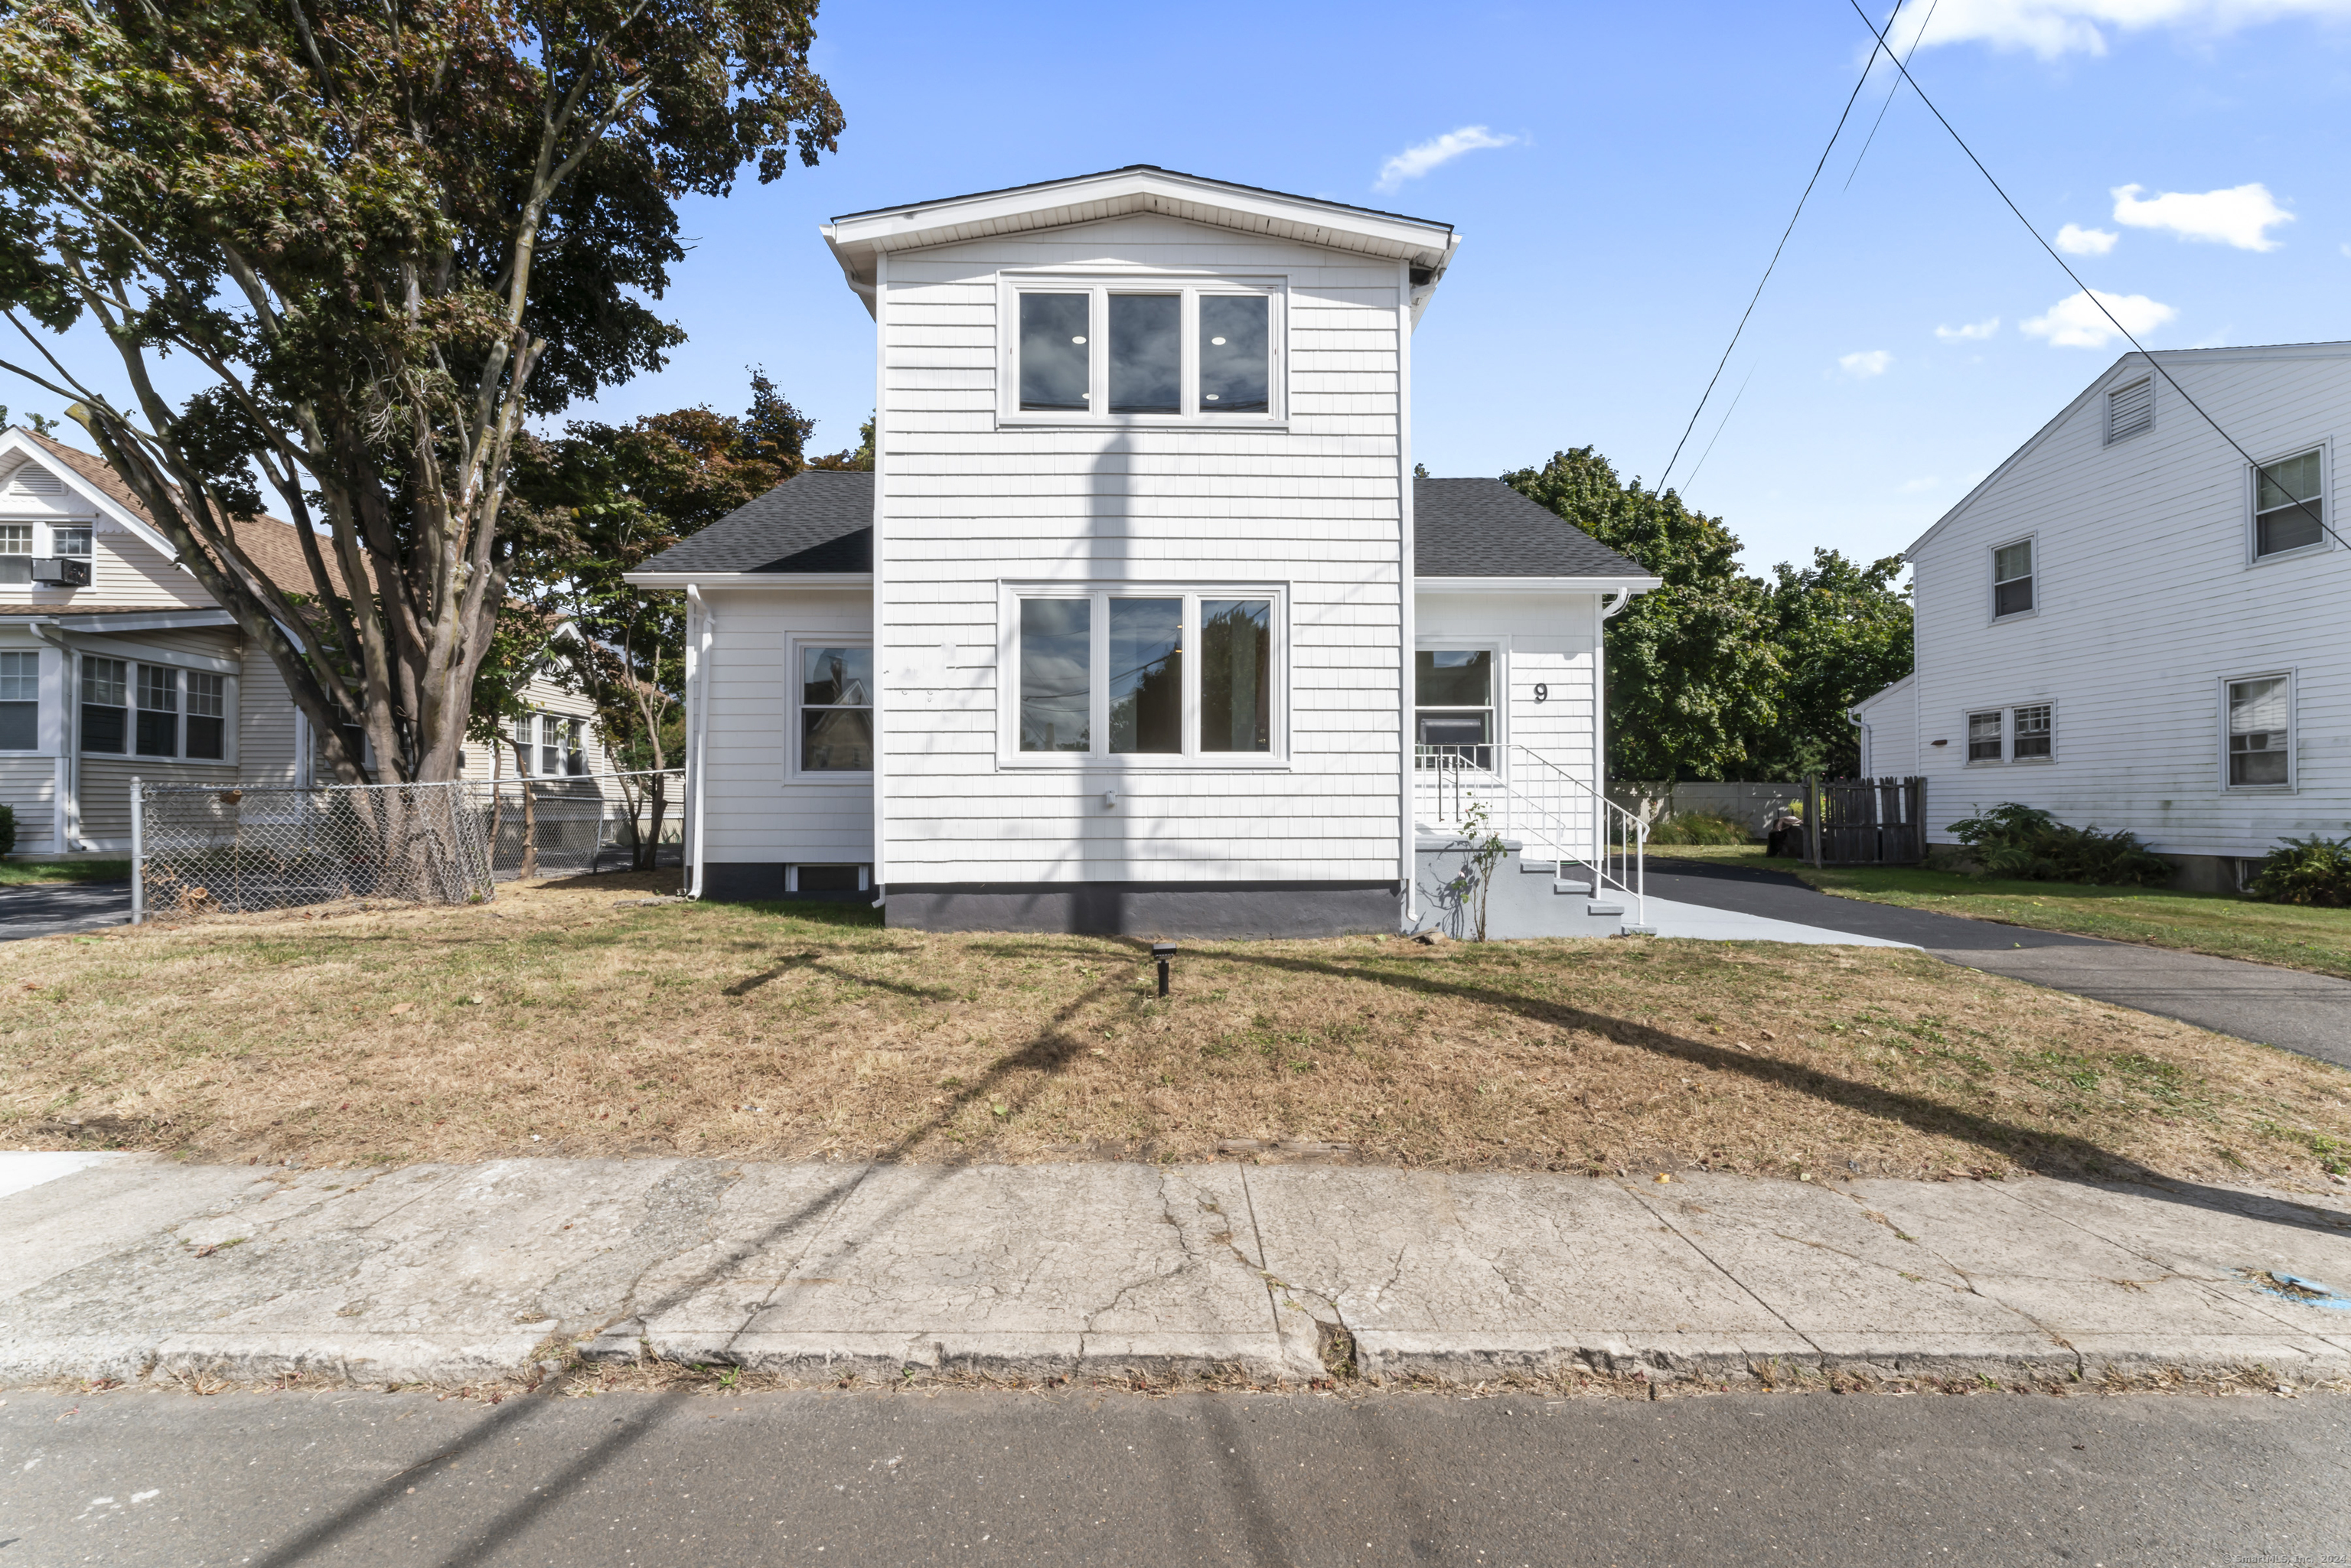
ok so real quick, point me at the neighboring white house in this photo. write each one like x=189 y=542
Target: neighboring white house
x=2129 y=625
x=1168 y=639
x=115 y=663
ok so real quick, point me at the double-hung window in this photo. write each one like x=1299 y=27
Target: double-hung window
x=207 y=722
x=1984 y=737
x=158 y=711
x=15 y=552
x=2261 y=732
x=1191 y=351
x=73 y=543
x=1453 y=706
x=836 y=708
x=2290 y=503
x=105 y=706
x=2011 y=578
x=2033 y=733
x=20 y=702
x=1172 y=674
x=551 y=745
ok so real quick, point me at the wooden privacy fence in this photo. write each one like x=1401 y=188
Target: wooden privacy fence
x=1865 y=822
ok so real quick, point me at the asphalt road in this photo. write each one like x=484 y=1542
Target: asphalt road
x=2285 y=1007
x=628 y=1480
x=53 y=909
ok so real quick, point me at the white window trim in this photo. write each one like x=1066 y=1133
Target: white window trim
x=2293 y=785
x=2324 y=447
x=1191 y=282
x=181 y=665
x=2108 y=410
x=1497 y=698
x=1191 y=759
x=2009 y=733
x=45 y=738
x=1991 y=587
x=835 y=777
x=1967 y=718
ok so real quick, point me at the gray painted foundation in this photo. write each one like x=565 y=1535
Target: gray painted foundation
x=1168 y=911
x=762 y=881
x=1524 y=899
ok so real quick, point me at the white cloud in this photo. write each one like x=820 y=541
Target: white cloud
x=2242 y=215
x=2074 y=322
x=2075 y=240
x=1418 y=160
x=1971 y=332
x=1864 y=365
x=1913 y=486
x=2052 y=27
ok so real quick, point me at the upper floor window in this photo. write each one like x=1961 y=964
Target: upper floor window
x=20 y=702
x=2261 y=732
x=2289 y=504
x=1105 y=673
x=2130 y=409
x=2011 y=578
x=72 y=542
x=1142 y=349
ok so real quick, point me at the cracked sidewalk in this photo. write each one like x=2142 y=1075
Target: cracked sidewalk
x=138 y=1267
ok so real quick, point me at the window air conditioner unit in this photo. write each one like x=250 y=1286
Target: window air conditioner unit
x=61 y=571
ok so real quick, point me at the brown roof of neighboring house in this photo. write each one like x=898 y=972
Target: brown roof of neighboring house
x=272 y=545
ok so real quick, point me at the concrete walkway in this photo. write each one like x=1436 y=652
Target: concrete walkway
x=55 y=909
x=2298 y=1011
x=143 y=1269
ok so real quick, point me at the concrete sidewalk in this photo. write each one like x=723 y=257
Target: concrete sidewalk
x=141 y=1268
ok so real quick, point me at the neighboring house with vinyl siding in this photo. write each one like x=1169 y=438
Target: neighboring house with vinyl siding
x=115 y=663
x=2131 y=625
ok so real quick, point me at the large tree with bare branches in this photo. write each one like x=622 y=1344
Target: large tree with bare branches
x=387 y=231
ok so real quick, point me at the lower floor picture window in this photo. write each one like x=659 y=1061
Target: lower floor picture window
x=1147 y=689
x=1983 y=736
x=105 y=706
x=20 y=702
x=2033 y=732
x=1237 y=673
x=1057 y=644
x=2261 y=732
x=1106 y=673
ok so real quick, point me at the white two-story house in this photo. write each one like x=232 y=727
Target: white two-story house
x=2132 y=624
x=1142 y=621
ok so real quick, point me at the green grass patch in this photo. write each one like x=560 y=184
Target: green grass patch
x=37 y=874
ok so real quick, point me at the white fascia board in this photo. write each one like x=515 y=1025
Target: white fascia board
x=1536 y=584
x=778 y=580
x=106 y=506
x=1882 y=693
x=140 y=619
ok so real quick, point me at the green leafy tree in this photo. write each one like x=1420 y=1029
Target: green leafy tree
x=624 y=493
x=1843 y=632
x=384 y=232
x=859 y=460
x=1692 y=672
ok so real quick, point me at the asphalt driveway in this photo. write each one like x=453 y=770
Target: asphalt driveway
x=2297 y=1011
x=57 y=908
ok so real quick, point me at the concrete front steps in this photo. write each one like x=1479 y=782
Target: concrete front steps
x=1529 y=897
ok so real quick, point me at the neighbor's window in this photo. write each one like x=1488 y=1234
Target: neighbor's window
x=105 y=706
x=575 y=749
x=74 y=542
x=208 y=717
x=20 y=702
x=2261 y=732
x=836 y=710
x=2011 y=578
x=550 y=744
x=2288 y=508
x=1453 y=701
x=526 y=741
x=2031 y=732
x=15 y=552
x=1117 y=350
x=1983 y=736
x=1151 y=700
x=158 y=711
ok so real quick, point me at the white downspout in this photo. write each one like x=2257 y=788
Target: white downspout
x=68 y=815
x=884 y=658
x=1599 y=726
x=1407 y=587
x=700 y=627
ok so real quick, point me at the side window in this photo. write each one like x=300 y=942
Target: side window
x=208 y=717
x=2289 y=505
x=1236 y=674
x=15 y=552
x=2011 y=578
x=158 y=711
x=836 y=710
x=2033 y=733
x=2261 y=732
x=1984 y=737
x=1056 y=674
x=1056 y=361
x=70 y=542
x=105 y=706
x=20 y=702
x=1453 y=701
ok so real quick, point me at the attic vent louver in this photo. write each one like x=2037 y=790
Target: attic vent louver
x=2130 y=410
x=34 y=480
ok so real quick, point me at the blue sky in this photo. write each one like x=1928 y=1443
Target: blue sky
x=1646 y=160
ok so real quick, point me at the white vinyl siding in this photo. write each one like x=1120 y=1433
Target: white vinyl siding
x=759 y=809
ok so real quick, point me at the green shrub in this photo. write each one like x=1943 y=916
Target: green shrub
x=7 y=831
x=1699 y=828
x=2305 y=870
x=2028 y=845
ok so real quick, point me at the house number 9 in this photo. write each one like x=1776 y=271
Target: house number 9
x=1542 y=692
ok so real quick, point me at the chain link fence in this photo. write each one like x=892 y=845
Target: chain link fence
x=202 y=850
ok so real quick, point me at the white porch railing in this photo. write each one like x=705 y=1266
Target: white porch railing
x=1553 y=814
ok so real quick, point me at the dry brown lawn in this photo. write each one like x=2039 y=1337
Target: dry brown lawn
x=569 y=1016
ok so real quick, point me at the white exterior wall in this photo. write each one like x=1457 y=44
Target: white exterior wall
x=2147 y=600
x=757 y=808
x=125 y=571
x=965 y=504
x=1889 y=731
x=1547 y=640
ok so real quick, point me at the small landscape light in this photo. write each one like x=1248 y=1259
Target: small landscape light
x=1162 y=951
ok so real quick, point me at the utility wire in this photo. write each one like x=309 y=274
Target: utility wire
x=1699 y=466
x=1866 y=67
x=1871 y=138
x=2088 y=292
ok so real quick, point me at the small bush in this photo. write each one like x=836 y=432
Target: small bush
x=2028 y=845
x=1699 y=828
x=2313 y=870
x=7 y=831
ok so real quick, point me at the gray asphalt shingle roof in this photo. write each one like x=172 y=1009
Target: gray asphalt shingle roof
x=823 y=521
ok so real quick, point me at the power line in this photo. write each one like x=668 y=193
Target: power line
x=1699 y=466
x=1871 y=140
x=1866 y=69
x=2088 y=292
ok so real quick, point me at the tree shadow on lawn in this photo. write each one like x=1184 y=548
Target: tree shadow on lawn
x=2043 y=1153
